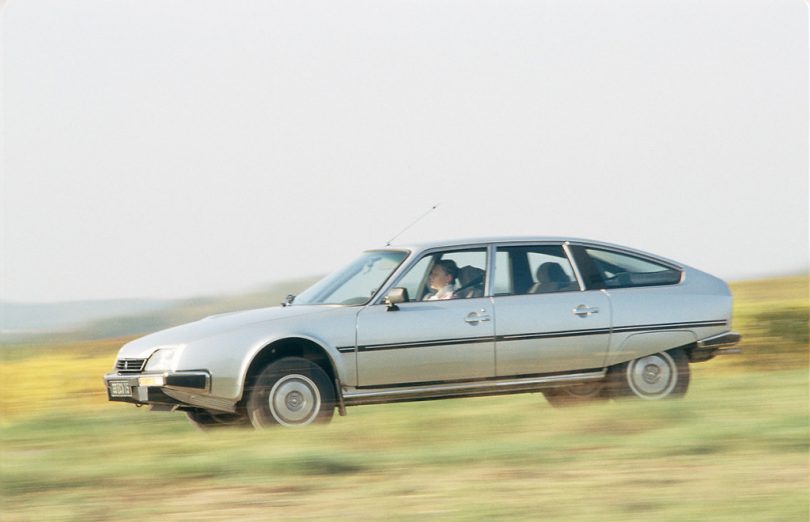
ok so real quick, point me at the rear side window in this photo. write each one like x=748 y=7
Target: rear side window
x=538 y=269
x=619 y=270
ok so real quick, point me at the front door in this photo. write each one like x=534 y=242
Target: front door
x=445 y=333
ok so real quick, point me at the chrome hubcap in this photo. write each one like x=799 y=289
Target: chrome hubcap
x=651 y=374
x=294 y=400
x=652 y=377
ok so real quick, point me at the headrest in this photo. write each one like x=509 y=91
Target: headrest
x=470 y=275
x=552 y=273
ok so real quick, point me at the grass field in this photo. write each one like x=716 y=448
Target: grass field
x=736 y=448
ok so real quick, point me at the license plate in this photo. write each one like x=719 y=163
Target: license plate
x=120 y=389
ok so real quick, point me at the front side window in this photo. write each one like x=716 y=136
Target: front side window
x=537 y=269
x=459 y=274
x=619 y=270
x=357 y=282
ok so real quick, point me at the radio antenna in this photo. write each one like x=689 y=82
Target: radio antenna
x=417 y=220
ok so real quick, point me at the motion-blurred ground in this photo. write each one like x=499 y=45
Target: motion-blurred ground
x=736 y=448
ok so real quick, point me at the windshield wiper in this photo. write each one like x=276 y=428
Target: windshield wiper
x=288 y=300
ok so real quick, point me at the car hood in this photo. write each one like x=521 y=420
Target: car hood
x=213 y=325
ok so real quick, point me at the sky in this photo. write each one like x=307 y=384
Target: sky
x=171 y=149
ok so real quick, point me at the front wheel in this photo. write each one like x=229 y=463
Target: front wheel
x=291 y=392
x=659 y=376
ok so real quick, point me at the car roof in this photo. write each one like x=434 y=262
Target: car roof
x=461 y=242
x=425 y=245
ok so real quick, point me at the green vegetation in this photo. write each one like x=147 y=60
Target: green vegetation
x=772 y=315
x=735 y=448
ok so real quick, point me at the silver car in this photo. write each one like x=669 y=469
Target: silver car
x=578 y=320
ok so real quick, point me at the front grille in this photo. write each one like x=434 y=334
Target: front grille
x=130 y=365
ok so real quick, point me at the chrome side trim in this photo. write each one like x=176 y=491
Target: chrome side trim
x=467 y=389
x=538 y=335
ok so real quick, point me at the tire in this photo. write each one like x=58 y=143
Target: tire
x=577 y=395
x=291 y=392
x=205 y=420
x=663 y=375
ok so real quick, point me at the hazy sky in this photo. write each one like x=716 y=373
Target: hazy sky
x=168 y=149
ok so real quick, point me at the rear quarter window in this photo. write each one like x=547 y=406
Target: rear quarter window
x=620 y=270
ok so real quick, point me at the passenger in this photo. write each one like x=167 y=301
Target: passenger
x=443 y=280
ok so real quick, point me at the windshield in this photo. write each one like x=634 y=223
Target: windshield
x=355 y=283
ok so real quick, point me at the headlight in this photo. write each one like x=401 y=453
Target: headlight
x=162 y=359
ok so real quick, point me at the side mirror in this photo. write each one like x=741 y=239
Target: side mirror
x=396 y=295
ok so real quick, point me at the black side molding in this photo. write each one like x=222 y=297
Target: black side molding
x=194 y=380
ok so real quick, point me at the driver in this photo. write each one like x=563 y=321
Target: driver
x=443 y=280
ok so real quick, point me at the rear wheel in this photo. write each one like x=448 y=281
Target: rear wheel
x=291 y=392
x=659 y=376
x=577 y=394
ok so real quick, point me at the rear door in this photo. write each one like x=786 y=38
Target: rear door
x=653 y=307
x=545 y=322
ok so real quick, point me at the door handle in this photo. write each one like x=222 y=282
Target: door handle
x=473 y=318
x=584 y=311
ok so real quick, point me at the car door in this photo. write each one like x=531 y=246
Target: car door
x=430 y=341
x=545 y=322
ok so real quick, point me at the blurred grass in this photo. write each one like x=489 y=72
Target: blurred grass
x=735 y=448
x=774 y=317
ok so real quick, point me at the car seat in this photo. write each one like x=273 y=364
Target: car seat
x=471 y=280
x=550 y=278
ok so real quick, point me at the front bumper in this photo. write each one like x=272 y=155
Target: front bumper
x=167 y=388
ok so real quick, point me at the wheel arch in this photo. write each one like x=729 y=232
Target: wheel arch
x=292 y=346
x=649 y=343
